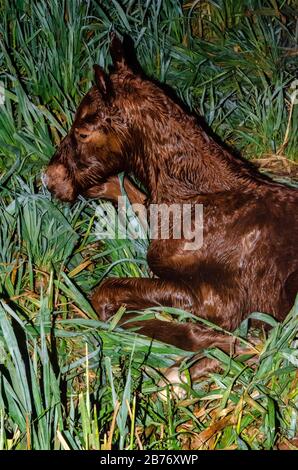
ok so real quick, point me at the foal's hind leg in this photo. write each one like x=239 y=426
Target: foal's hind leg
x=138 y=293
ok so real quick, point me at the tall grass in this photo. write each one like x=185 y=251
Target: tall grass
x=68 y=381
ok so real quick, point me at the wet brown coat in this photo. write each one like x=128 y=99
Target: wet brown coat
x=249 y=258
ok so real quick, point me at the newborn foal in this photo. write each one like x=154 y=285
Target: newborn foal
x=248 y=261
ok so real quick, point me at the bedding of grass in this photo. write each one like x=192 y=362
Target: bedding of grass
x=67 y=381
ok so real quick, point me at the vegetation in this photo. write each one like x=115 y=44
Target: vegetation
x=68 y=381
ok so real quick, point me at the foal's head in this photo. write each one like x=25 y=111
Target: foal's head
x=107 y=129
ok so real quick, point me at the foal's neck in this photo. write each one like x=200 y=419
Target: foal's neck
x=176 y=160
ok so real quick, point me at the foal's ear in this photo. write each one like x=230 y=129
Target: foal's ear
x=124 y=55
x=117 y=50
x=121 y=50
x=102 y=81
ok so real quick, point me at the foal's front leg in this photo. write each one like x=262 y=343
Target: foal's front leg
x=141 y=293
x=111 y=191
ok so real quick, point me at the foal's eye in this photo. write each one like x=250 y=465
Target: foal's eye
x=83 y=136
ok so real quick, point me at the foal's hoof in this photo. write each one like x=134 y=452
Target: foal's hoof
x=99 y=303
x=175 y=380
